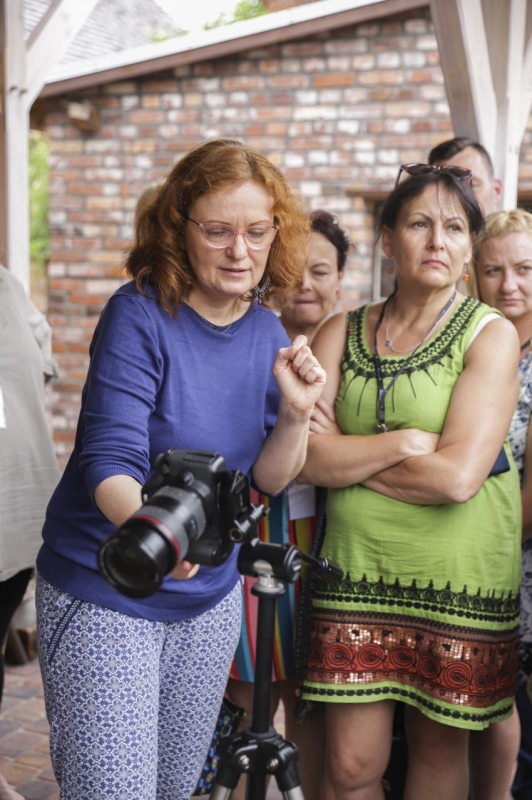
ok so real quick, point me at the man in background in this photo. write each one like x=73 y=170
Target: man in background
x=465 y=152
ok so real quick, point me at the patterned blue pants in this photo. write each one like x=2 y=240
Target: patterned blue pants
x=131 y=703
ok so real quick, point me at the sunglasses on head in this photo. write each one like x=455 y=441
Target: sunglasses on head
x=460 y=173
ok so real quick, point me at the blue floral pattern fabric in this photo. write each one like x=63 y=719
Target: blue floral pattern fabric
x=517 y=438
x=132 y=703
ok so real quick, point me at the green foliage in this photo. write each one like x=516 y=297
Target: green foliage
x=38 y=169
x=162 y=32
x=245 y=9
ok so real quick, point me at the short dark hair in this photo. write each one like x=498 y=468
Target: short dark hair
x=447 y=150
x=416 y=185
x=326 y=224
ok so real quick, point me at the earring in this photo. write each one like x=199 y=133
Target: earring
x=260 y=291
x=465 y=276
x=389 y=270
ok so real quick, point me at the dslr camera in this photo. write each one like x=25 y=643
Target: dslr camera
x=192 y=508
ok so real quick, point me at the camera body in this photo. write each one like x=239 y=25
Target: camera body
x=192 y=508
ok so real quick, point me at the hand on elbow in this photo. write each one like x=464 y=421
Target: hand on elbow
x=461 y=488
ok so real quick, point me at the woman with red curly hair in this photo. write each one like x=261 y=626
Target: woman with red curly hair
x=186 y=356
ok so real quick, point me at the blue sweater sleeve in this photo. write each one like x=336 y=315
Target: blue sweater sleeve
x=124 y=377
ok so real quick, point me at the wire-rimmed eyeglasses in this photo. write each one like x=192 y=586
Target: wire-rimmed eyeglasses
x=219 y=235
x=460 y=173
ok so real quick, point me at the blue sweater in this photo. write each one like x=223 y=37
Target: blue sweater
x=157 y=382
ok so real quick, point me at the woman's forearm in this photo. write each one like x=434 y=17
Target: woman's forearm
x=447 y=476
x=337 y=461
x=283 y=453
x=118 y=497
x=476 y=425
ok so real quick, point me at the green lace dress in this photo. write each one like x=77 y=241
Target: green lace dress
x=428 y=610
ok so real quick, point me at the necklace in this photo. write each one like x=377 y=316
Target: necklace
x=381 y=391
x=525 y=344
x=210 y=324
x=389 y=342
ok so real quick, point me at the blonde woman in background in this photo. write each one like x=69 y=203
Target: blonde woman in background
x=502 y=278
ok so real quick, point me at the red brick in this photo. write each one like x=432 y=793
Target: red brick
x=140 y=115
x=67 y=255
x=254 y=129
x=272 y=113
x=425 y=76
x=380 y=95
x=409 y=110
x=116 y=244
x=333 y=79
x=420 y=125
x=288 y=81
x=103 y=202
x=382 y=77
x=300 y=49
x=243 y=82
x=269 y=65
x=276 y=129
x=83 y=188
x=84 y=161
x=83 y=298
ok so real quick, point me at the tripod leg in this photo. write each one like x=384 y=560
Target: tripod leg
x=293 y=794
x=220 y=793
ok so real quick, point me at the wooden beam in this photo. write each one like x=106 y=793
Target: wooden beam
x=505 y=24
x=220 y=42
x=527 y=72
x=486 y=52
x=23 y=71
x=465 y=60
x=14 y=128
x=51 y=37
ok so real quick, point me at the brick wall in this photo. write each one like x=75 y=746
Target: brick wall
x=337 y=112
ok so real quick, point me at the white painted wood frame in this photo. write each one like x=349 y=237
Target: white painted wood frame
x=486 y=53
x=24 y=67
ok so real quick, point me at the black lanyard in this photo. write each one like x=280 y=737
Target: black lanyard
x=381 y=391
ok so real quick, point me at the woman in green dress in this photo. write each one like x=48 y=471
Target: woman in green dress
x=423 y=508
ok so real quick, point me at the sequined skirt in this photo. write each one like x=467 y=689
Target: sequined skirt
x=428 y=611
x=463 y=676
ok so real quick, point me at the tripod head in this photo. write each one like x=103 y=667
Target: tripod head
x=283 y=561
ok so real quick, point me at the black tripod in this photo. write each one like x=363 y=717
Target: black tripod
x=259 y=751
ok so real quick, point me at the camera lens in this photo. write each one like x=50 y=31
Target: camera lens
x=150 y=543
x=136 y=561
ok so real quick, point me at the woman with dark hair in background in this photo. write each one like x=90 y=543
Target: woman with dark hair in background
x=184 y=356
x=292 y=518
x=428 y=533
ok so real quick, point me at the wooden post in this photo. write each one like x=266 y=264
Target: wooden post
x=505 y=24
x=14 y=128
x=464 y=54
x=23 y=72
x=486 y=54
x=51 y=37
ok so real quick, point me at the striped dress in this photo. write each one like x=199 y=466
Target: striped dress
x=276 y=528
